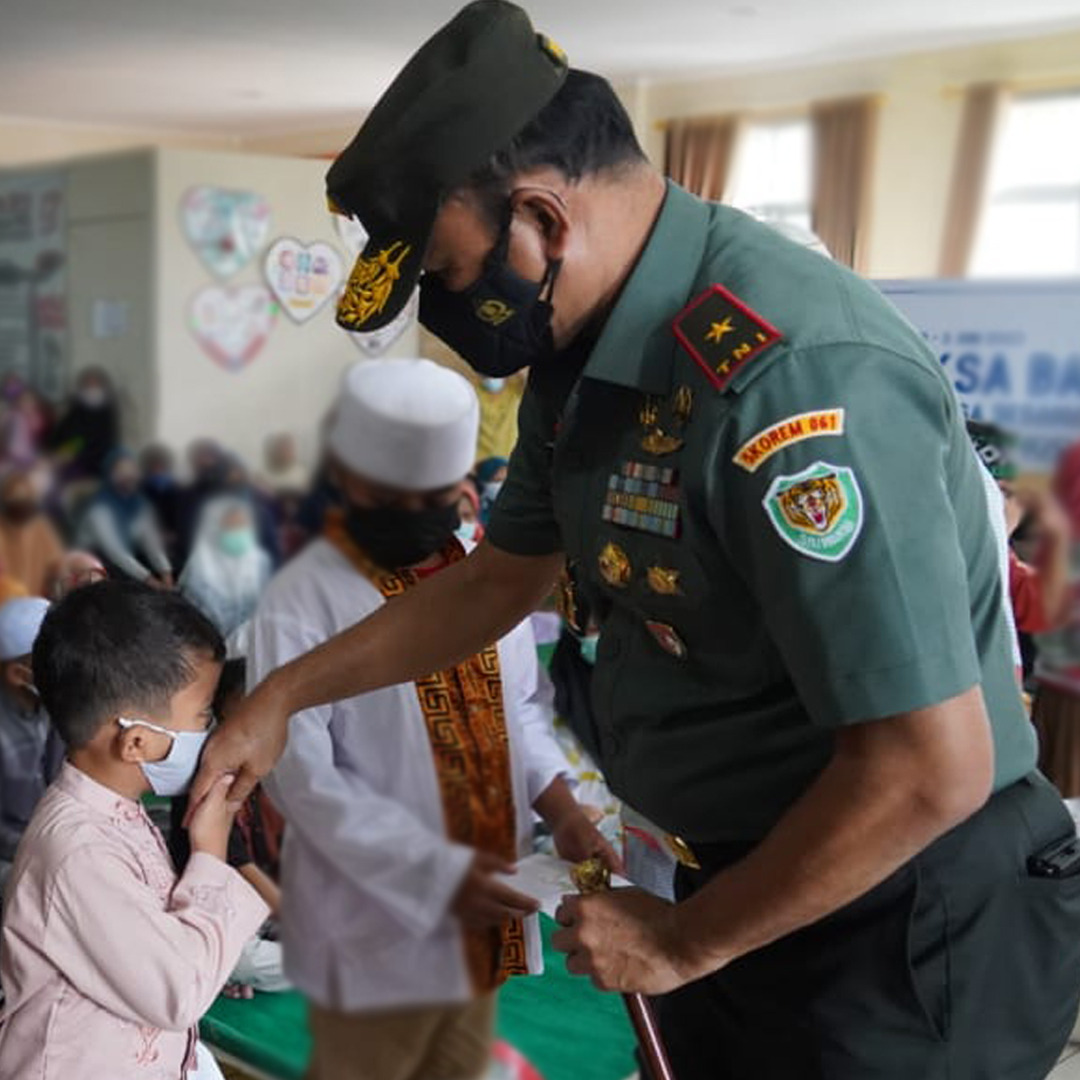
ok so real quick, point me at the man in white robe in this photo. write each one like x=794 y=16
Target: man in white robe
x=406 y=807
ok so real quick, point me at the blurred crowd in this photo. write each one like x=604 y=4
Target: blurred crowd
x=76 y=503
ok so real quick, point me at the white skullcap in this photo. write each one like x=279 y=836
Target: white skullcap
x=409 y=424
x=20 y=622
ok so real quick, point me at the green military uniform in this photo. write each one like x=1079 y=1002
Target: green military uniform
x=761 y=480
x=772 y=636
x=767 y=493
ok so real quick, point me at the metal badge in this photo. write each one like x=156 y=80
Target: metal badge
x=615 y=566
x=667 y=638
x=664 y=581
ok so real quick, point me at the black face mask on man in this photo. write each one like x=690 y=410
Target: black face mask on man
x=395 y=537
x=501 y=323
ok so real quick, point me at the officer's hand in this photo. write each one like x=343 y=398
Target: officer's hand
x=624 y=940
x=483 y=900
x=577 y=839
x=247 y=745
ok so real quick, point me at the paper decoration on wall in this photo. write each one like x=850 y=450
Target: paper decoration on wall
x=226 y=229
x=303 y=277
x=33 y=279
x=353 y=235
x=232 y=324
x=377 y=342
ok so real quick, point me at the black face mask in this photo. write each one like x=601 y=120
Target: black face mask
x=501 y=323
x=394 y=537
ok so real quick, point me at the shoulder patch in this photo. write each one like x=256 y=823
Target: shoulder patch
x=771 y=440
x=818 y=512
x=722 y=334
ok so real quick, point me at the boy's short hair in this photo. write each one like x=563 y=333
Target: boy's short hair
x=117 y=647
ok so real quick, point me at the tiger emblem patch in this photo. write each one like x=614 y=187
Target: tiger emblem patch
x=818 y=512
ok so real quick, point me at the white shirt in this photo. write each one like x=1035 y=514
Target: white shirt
x=368 y=873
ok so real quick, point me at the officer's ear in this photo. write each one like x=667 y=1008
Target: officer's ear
x=547 y=210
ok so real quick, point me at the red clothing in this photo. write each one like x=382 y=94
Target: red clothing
x=1025 y=592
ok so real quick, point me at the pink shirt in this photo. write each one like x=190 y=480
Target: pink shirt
x=108 y=960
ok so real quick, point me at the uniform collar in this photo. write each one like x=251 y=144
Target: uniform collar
x=634 y=347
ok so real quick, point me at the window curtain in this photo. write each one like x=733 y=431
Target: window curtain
x=698 y=154
x=971 y=174
x=843 y=150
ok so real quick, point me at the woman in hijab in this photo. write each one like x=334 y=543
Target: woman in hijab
x=120 y=526
x=29 y=545
x=228 y=568
x=89 y=432
x=490 y=474
x=1056 y=711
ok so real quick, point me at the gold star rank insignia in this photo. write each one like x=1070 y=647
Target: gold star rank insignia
x=722 y=334
x=718 y=329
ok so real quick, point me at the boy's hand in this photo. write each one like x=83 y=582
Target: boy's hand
x=483 y=901
x=577 y=838
x=211 y=821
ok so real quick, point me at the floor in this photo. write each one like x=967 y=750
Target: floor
x=1068 y=1068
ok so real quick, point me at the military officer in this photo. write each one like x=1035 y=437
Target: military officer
x=758 y=475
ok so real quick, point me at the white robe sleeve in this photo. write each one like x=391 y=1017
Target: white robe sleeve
x=527 y=708
x=390 y=856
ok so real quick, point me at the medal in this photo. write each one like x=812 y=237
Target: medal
x=667 y=638
x=566 y=602
x=615 y=566
x=656 y=440
x=663 y=581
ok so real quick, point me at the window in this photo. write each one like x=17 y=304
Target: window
x=771 y=175
x=1031 y=223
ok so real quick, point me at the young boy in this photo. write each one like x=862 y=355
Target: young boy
x=108 y=960
x=30 y=751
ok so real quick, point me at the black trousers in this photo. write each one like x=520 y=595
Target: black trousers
x=960 y=966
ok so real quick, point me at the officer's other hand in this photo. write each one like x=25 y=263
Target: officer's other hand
x=247 y=745
x=577 y=838
x=483 y=900
x=625 y=940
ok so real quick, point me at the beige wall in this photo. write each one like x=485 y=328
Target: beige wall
x=919 y=122
x=31 y=142
x=920 y=112
x=292 y=382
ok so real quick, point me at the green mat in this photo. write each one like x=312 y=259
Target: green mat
x=564 y=1027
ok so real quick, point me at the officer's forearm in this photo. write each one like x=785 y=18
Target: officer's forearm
x=892 y=788
x=448 y=617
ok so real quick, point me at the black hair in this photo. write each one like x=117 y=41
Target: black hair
x=582 y=131
x=116 y=647
x=233 y=682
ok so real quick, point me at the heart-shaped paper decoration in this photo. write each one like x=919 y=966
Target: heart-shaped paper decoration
x=303 y=277
x=376 y=342
x=232 y=325
x=225 y=228
x=352 y=234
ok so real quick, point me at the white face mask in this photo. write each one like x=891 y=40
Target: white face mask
x=492 y=385
x=466 y=531
x=93 y=397
x=492 y=489
x=172 y=775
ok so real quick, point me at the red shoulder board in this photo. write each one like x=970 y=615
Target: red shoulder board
x=722 y=334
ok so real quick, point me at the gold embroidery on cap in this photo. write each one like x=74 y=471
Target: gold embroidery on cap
x=370 y=285
x=495 y=312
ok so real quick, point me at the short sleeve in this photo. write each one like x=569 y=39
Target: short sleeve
x=523 y=518
x=834 y=491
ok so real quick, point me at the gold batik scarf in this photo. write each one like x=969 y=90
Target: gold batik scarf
x=466 y=723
